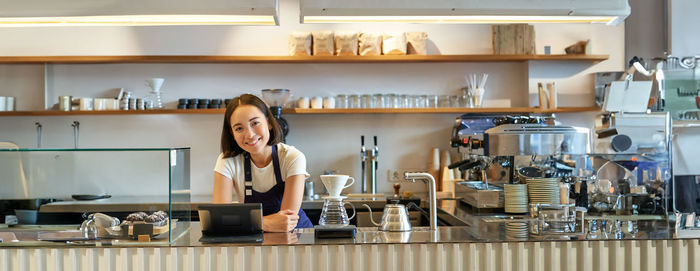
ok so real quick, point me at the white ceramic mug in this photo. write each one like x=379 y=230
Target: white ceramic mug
x=303 y=102
x=86 y=104
x=317 y=102
x=336 y=183
x=10 y=104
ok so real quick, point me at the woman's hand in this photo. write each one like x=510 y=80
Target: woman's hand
x=282 y=221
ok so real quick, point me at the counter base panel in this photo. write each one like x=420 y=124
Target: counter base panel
x=578 y=255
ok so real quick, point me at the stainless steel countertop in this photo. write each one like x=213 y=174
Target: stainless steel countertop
x=136 y=203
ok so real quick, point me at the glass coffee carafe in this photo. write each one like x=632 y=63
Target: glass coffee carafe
x=334 y=214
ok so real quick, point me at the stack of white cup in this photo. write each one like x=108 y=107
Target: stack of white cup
x=7 y=103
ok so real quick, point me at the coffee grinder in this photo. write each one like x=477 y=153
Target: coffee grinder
x=276 y=98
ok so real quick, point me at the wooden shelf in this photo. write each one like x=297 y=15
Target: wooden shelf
x=293 y=59
x=298 y=111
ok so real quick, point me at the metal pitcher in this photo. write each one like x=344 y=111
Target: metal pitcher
x=395 y=218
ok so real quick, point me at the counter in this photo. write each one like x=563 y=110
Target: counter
x=484 y=246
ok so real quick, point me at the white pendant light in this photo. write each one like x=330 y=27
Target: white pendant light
x=18 y=13
x=610 y=12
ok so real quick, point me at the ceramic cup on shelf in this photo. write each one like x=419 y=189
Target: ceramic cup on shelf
x=10 y=105
x=86 y=104
x=3 y=103
x=65 y=103
x=317 y=102
x=329 y=102
x=303 y=102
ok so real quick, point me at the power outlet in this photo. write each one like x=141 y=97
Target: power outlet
x=397 y=175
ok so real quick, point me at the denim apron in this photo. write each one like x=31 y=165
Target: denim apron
x=272 y=199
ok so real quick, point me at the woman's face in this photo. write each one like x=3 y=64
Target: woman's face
x=250 y=128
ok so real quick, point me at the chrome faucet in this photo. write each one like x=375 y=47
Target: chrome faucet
x=369 y=166
x=38 y=134
x=76 y=132
x=430 y=181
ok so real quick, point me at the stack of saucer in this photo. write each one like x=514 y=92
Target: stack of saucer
x=515 y=198
x=516 y=230
x=543 y=190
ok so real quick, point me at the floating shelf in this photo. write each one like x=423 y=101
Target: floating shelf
x=293 y=59
x=299 y=111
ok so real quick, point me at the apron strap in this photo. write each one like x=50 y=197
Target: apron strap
x=249 y=175
x=276 y=164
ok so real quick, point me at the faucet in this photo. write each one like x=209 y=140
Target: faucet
x=430 y=181
x=76 y=132
x=369 y=166
x=38 y=134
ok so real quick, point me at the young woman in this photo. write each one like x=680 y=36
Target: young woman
x=255 y=166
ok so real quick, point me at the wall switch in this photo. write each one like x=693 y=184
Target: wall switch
x=397 y=174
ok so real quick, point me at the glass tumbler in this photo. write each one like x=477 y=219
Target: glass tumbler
x=421 y=101
x=378 y=101
x=391 y=101
x=353 y=101
x=341 y=101
x=444 y=101
x=366 y=101
x=403 y=101
x=432 y=101
x=334 y=214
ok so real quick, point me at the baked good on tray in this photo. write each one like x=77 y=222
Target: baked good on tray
x=158 y=218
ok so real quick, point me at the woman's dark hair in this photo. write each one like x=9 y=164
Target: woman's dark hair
x=229 y=147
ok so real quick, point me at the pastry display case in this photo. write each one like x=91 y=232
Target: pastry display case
x=139 y=195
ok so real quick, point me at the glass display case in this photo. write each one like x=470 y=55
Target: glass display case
x=138 y=195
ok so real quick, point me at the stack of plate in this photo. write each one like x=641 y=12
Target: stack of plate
x=516 y=230
x=515 y=198
x=543 y=190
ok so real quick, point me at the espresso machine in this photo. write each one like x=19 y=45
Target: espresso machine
x=493 y=147
x=631 y=158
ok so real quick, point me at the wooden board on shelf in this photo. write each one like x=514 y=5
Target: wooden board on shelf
x=293 y=59
x=300 y=111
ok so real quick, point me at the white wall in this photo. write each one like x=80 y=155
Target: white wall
x=645 y=29
x=329 y=141
x=683 y=18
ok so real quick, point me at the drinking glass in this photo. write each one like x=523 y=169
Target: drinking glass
x=403 y=101
x=366 y=101
x=353 y=101
x=391 y=101
x=378 y=101
x=444 y=101
x=454 y=101
x=422 y=101
x=341 y=101
x=432 y=101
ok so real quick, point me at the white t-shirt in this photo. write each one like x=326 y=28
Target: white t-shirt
x=292 y=162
